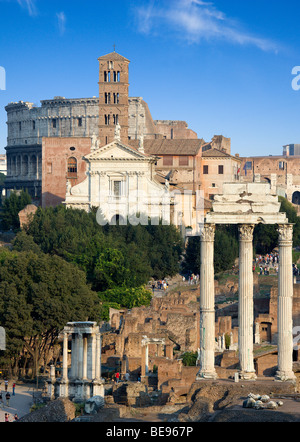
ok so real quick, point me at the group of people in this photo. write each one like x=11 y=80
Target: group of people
x=7 y=397
x=191 y=279
x=162 y=284
x=266 y=263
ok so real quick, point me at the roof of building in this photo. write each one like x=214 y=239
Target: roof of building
x=170 y=147
x=216 y=153
x=113 y=56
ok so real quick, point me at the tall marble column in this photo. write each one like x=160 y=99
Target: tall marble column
x=98 y=356
x=246 y=307
x=285 y=305
x=80 y=355
x=207 y=305
x=65 y=356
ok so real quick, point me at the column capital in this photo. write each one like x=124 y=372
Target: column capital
x=208 y=232
x=246 y=232
x=285 y=233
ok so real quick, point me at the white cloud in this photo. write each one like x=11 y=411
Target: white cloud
x=61 y=22
x=194 y=21
x=29 y=5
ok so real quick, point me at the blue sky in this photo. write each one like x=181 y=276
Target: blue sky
x=224 y=66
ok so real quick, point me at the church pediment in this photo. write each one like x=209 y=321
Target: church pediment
x=116 y=151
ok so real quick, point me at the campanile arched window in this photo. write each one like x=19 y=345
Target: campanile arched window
x=72 y=167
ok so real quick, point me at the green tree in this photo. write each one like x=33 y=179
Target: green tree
x=11 y=208
x=39 y=294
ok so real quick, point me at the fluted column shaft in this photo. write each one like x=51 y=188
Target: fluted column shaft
x=207 y=305
x=65 y=356
x=285 y=304
x=246 y=307
x=98 y=356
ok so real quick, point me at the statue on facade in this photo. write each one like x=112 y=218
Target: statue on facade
x=118 y=132
x=141 y=144
x=69 y=187
x=95 y=142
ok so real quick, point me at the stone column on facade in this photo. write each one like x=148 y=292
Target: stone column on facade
x=85 y=356
x=207 y=305
x=65 y=357
x=92 y=350
x=98 y=384
x=285 y=305
x=246 y=306
x=74 y=356
x=98 y=356
x=80 y=355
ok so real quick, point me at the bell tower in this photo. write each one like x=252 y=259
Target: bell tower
x=113 y=97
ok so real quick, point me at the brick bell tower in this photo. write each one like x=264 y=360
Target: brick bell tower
x=113 y=97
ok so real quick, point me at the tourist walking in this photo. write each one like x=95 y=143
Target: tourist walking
x=6 y=418
x=13 y=389
x=7 y=396
x=6 y=384
x=117 y=377
x=1 y=400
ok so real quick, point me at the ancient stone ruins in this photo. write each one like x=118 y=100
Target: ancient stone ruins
x=142 y=344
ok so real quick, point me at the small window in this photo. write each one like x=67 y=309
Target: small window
x=107 y=120
x=117 y=188
x=221 y=170
x=72 y=167
x=54 y=123
x=248 y=165
x=33 y=125
x=168 y=160
x=72 y=149
x=20 y=126
x=49 y=168
x=183 y=160
x=205 y=170
x=213 y=185
x=79 y=122
x=281 y=165
x=211 y=197
x=106 y=77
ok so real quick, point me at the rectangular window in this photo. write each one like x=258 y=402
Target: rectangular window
x=221 y=170
x=248 y=165
x=54 y=123
x=281 y=165
x=183 y=160
x=79 y=122
x=168 y=160
x=117 y=188
x=33 y=125
x=49 y=168
x=205 y=170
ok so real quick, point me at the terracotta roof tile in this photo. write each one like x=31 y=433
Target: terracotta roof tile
x=170 y=147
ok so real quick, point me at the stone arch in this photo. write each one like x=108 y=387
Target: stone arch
x=296 y=198
x=33 y=165
x=25 y=165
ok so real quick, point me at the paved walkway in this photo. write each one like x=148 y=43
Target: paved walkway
x=19 y=404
